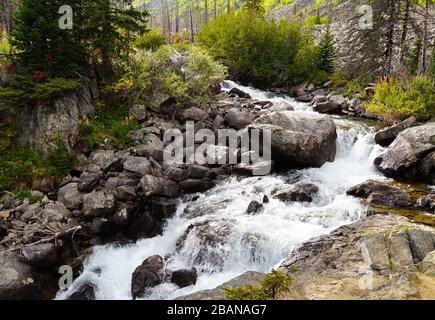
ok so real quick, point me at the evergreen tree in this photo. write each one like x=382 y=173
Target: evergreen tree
x=41 y=46
x=327 y=53
x=255 y=6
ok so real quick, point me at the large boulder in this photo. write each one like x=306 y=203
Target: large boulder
x=70 y=196
x=300 y=139
x=147 y=275
x=386 y=136
x=184 y=277
x=89 y=181
x=138 y=165
x=42 y=255
x=98 y=204
x=301 y=193
x=381 y=194
x=411 y=156
x=238 y=119
x=18 y=281
x=158 y=186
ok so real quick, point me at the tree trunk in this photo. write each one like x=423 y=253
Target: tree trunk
x=403 y=47
x=191 y=22
x=229 y=6
x=425 y=38
x=177 y=16
x=205 y=11
x=388 y=55
x=215 y=9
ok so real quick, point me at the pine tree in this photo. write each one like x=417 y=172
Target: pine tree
x=327 y=53
x=41 y=45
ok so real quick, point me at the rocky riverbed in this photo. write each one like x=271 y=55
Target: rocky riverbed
x=131 y=226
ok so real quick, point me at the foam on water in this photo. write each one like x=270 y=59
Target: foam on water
x=241 y=242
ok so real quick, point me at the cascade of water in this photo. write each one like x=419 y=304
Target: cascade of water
x=215 y=235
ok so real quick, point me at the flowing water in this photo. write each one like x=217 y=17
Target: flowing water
x=215 y=235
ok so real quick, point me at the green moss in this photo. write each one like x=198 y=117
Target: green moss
x=416 y=190
x=416 y=215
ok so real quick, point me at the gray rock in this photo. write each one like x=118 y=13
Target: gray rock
x=301 y=193
x=121 y=216
x=150 y=152
x=158 y=186
x=103 y=158
x=281 y=106
x=327 y=107
x=386 y=136
x=380 y=194
x=125 y=193
x=98 y=204
x=240 y=93
x=198 y=172
x=55 y=212
x=427 y=202
x=102 y=226
x=375 y=252
x=428 y=264
x=421 y=243
x=86 y=292
x=138 y=112
x=89 y=181
x=138 y=165
x=300 y=139
x=238 y=119
x=196 y=185
x=403 y=157
x=175 y=174
x=18 y=281
x=70 y=196
x=254 y=207
x=41 y=255
x=184 y=277
x=195 y=114
x=147 y=275
x=163 y=209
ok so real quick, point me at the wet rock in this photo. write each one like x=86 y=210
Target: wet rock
x=421 y=243
x=86 y=292
x=121 y=216
x=195 y=114
x=238 y=119
x=98 y=204
x=428 y=264
x=300 y=139
x=102 y=227
x=427 y=202
x=147 y=275
x=196 y=185
x=138 y=112
x=175 y=174
x=380 y=194
x=18 y=281
x=89 y=181
x=240 y=93
x=158 y=186
x=125 y=193
x=266 y=199
x=403 y=158
x=184 y=277
x=41 y=255
x=199 y=172
x=327 y=107
x=386 y=136
x=254 y=207
x=143 y=225
x=163 y=209
x=70 y=196
x=301 y=193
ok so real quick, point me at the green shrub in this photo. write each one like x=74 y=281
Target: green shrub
x=151 y=40
x=272 y=286
x=111 y=123
x=185 y=75
x=399 y=99
x=258 y=50
x=26 y=194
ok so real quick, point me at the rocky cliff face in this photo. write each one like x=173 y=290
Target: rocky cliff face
x=42 y=125
x=363 y=49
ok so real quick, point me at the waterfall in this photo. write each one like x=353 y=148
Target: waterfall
x=215 y=235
